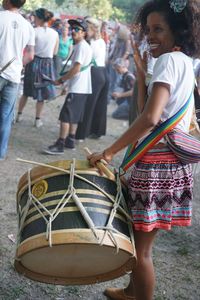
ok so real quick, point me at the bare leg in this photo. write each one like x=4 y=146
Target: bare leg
x=22 y=103
x=39 y=108
x=72 y=129
x=64 y=130
x=142 y=282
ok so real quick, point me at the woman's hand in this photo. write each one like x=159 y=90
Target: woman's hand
x=140 y=61
x=56 y=82
x=95 y=157
x=116 y=95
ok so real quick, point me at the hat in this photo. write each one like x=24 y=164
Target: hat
x=78 y=22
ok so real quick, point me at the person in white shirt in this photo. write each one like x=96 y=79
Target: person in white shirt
x=41 y=68
x=95 y=115
x=17 y=35
x=159 y=186
x=79 y=87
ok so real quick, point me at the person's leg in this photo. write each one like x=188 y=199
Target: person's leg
x=72 y=129
x=59 y=145
x=7 y=105
x=64 y=130
x=39 y=109
x=70 y=139
x=142 y=280
x=84 y=126
x=22 y=103
x=99 y=121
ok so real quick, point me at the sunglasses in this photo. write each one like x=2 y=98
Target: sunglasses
x=76 y=29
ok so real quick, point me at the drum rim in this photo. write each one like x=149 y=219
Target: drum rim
x=125 y=246
x=125 y=269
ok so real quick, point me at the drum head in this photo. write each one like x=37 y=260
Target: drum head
x=77 y=263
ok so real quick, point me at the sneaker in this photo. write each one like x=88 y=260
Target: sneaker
x=70 y=143
x=55 y=149
x=19 y=118
x=38 y=123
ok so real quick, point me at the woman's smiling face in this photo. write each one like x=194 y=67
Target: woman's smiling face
x=159 y=35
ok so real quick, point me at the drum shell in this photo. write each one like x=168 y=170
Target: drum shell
x=71 y=238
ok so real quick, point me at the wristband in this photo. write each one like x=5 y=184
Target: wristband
x=60 y=80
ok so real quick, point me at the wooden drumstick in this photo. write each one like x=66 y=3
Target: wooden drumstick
x=101 y=166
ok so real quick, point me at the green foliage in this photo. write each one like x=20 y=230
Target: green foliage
x=105 y=9
x=99 y=9
x=118 y=14
x=34 y=4
x=128 y=7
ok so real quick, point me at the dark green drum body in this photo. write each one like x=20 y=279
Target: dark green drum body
x=66 y=250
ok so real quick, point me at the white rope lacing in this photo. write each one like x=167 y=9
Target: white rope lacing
x=71 y=193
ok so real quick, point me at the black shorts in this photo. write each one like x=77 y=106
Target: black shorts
x=73 y=108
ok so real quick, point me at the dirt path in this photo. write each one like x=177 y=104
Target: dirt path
x=176 y=253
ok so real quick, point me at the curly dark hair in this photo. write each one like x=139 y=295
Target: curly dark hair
x=185 y=25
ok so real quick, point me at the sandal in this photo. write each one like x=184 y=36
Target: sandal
x=117 y=294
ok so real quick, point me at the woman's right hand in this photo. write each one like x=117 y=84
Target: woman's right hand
x=140 y=61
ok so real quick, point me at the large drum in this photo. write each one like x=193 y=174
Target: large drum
x=73 y=226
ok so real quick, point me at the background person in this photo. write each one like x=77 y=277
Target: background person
x=95 y=114
x=35 y=86
x=16 y=35
x=64 y=49
x=79 y=87
x=123 y=97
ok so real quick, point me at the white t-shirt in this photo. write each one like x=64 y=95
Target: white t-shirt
x=175 y=69
x=81 y=82
x=45 y=41
x=99 y=51
x=15 y=34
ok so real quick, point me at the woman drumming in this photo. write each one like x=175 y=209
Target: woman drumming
x=42 y=67
x=95 y=114
x=159 y=185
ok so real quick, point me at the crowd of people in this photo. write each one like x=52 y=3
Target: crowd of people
x=93 y=61
x=107 y=73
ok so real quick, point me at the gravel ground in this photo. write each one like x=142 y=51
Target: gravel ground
x=176 y=253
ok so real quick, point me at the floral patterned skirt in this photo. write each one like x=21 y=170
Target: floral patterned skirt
x=160 y=191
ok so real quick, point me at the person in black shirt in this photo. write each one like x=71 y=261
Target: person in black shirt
x=123 y=97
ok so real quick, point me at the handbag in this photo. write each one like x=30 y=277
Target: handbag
x=185 y=146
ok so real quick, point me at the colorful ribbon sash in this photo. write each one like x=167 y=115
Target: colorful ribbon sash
x=134 y=152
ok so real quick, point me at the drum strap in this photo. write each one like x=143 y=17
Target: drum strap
x=135 y=152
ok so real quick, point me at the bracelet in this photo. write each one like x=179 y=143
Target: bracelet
x=60 y=80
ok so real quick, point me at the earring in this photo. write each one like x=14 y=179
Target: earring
x=176 y=48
